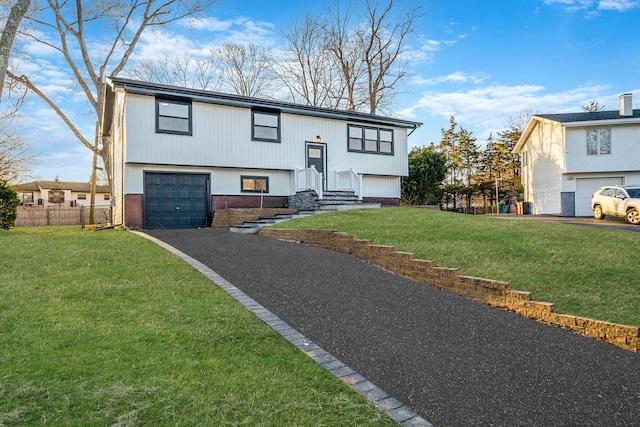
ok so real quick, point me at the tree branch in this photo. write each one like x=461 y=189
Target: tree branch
x=26 y=82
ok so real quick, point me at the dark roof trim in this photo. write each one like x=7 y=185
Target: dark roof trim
x=156 y=89
x=589 y=117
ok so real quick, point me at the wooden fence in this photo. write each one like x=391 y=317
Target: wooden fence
x=39 y=216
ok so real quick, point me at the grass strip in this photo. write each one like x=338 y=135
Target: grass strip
x=584 y=271
x=106 y=328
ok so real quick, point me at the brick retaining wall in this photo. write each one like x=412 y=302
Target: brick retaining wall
x=492 y=292
x=225 y=218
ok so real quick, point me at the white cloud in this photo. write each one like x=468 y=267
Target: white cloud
x=618 y=5
x=457 y=77
x=488 y=108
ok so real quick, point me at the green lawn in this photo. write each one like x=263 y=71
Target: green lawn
x=584 y=271
x=106 y=328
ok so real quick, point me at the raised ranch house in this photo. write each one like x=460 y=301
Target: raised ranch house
x=567 y=157
x=180 y=155
x=61 y=194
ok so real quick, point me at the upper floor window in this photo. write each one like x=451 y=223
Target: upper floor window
x=265 y=126
x=173 y=117
x=598 y=141
x=370 y=140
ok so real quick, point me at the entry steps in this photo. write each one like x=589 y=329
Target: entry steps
x=252 y=227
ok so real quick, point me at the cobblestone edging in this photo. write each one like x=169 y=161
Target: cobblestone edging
x=492 y=292
x=397 y=411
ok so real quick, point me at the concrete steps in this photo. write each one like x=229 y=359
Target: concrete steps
x=251 y=227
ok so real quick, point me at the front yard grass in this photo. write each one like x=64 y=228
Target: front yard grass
x=106 y=328
x=584 y=271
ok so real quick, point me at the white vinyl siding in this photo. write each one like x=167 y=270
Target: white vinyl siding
x=222 y=138
x=542 y=176
x=624 y=149
x=381 y=186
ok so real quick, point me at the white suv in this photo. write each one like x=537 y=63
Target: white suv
x=617 y=200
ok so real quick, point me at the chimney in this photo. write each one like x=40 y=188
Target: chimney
x=626 y=108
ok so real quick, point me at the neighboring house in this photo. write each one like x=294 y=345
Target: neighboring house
x=178 y=155
x=61 y=194
x=567 y=157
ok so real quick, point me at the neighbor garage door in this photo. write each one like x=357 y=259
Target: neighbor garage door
x=585 y=187
x=175 y=200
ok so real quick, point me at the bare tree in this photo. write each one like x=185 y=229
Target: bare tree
x=89 y=61
x=179 y=70
x=345 y=43
x=305 y=67
x=593 y=107
x=245 y=69
x=16 y=158
x=384 y=42
x=12 y=23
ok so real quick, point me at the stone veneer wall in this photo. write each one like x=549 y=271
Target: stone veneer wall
x=227 y=217
x=491 y=292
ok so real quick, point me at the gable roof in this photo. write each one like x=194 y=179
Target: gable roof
x=210 y=97
x=602 y=118
x=75 y=187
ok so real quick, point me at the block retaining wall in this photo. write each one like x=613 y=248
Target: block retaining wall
x=225 y=218
x=492 y=292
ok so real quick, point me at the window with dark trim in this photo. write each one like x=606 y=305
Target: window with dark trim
x=364 y=139
x=265 y=126
x=82 y=197
x=254 y=184
x=173 y=117
x=598 y=142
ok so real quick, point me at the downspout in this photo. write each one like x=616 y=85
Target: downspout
x=412 y=130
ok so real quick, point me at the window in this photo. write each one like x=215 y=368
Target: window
x=56 y=196
x=598 y=142
x=370 y=140
x=265 y=126
x=107 y=197
x=26 y=198
x=82 y=197
x=173 y=117
x=254 y=184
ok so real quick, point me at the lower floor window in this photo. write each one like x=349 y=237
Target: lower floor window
x=254 y=184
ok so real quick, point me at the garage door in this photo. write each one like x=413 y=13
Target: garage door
x=585 y=187
x=175 y=200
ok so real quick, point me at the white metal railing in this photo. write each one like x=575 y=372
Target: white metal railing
x=309 y=179
x=349 y=181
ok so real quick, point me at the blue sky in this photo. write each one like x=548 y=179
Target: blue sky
x=480 y=61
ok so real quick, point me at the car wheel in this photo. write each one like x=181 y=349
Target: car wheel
x=633 y=216
x=597 y=212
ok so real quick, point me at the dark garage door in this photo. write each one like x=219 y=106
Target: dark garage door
x=175 y=200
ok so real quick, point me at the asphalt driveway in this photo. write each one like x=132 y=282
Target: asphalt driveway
x=452 y=360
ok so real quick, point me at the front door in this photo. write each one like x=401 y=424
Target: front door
x=316 y=157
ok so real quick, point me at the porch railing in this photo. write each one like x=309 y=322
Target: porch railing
x=349 y=181
x=309 y=179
